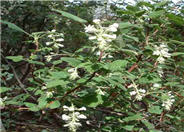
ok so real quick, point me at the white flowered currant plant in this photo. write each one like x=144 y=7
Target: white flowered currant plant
x=72 y=119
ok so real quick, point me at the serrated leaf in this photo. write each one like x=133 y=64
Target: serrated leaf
x=54 y=104
x=177 y=53
x=93 y=100
x=32 y=107
x=13 y=26
x=116 y=65
x=128 y=127
x=15 y=58
x=156 y=14
x=72 y=61
x=70 y=16
x=55 y=83
x=148 y=124
x=36 y=62
x=4 y=89
x=132 y=118
x=155 y=110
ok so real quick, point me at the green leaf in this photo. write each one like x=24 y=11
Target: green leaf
x=58 y=75
x=36 y=62
x=136 y=39
x=176 y=42
x=54 y=104
x=134 y=117
x=93 y=100
x=32 y=107
x=156 y=14
x=116 y=65
x=127 y=25
x=72 y=61
x=4 y=89
x=148 y=124
x=155 y=110
x=175 y=19
x=177 y=53
x=128 y=127
x=42 y=102
x=70 y=16
x=15 y=58
x=55 y=83
x=15 y=27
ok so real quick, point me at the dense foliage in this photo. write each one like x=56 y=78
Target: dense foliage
x=92 y=66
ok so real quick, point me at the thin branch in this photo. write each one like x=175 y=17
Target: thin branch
x=16 y=77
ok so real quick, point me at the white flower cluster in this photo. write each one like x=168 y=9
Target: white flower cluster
x=156 y=86
x=160 y=71
x=162 y=53
x=167 y=103
x=103 y=35
x=56 y=38
x=74 y=74
x=140 y=93
x=72 y=119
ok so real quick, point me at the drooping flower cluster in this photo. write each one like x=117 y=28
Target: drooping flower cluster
x=167 y=103
x=139 y=93
x=73 y=117
x=73 y=73
x=103 y=35
x=55 y=40
x=162 y=53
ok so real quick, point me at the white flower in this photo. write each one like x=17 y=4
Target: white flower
x=156 y=85
x=162 y=52
x=160 y=71
x=74 y=74
x=53 y=30
x=60 y=45
x=73 y=117
x=133 y=93
x=48 y=58
x=65 y=117
x=116 y=25
x=49 y=94
x=50 y=36
x=82 y=109
x=48 y=43
x=90 y=29
x=167 y=103
x=81 y=116
x=92 y=37
x=97 y=21
x=71 y=70
x=142 y=90
x=60 y=39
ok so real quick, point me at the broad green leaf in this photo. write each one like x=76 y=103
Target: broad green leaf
x=42 y=102
x=177 y=53
x=36 y=62
x=13 y=26
x=148 y=124
x=127 y=25
x=134 y=117
x=70 y=16
x=176 y=42
x=32 y=107
x=72 y=61
x=156 y=14
x=136 y=39
x=128 y=127
x=116 y=65
x=55 y=83
x=4 y=89
x=93 y=100
x=129 y=51
x=58 y=75
x=155 y=110
x=54 y=104
x=176 y=19
x=15 y=58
